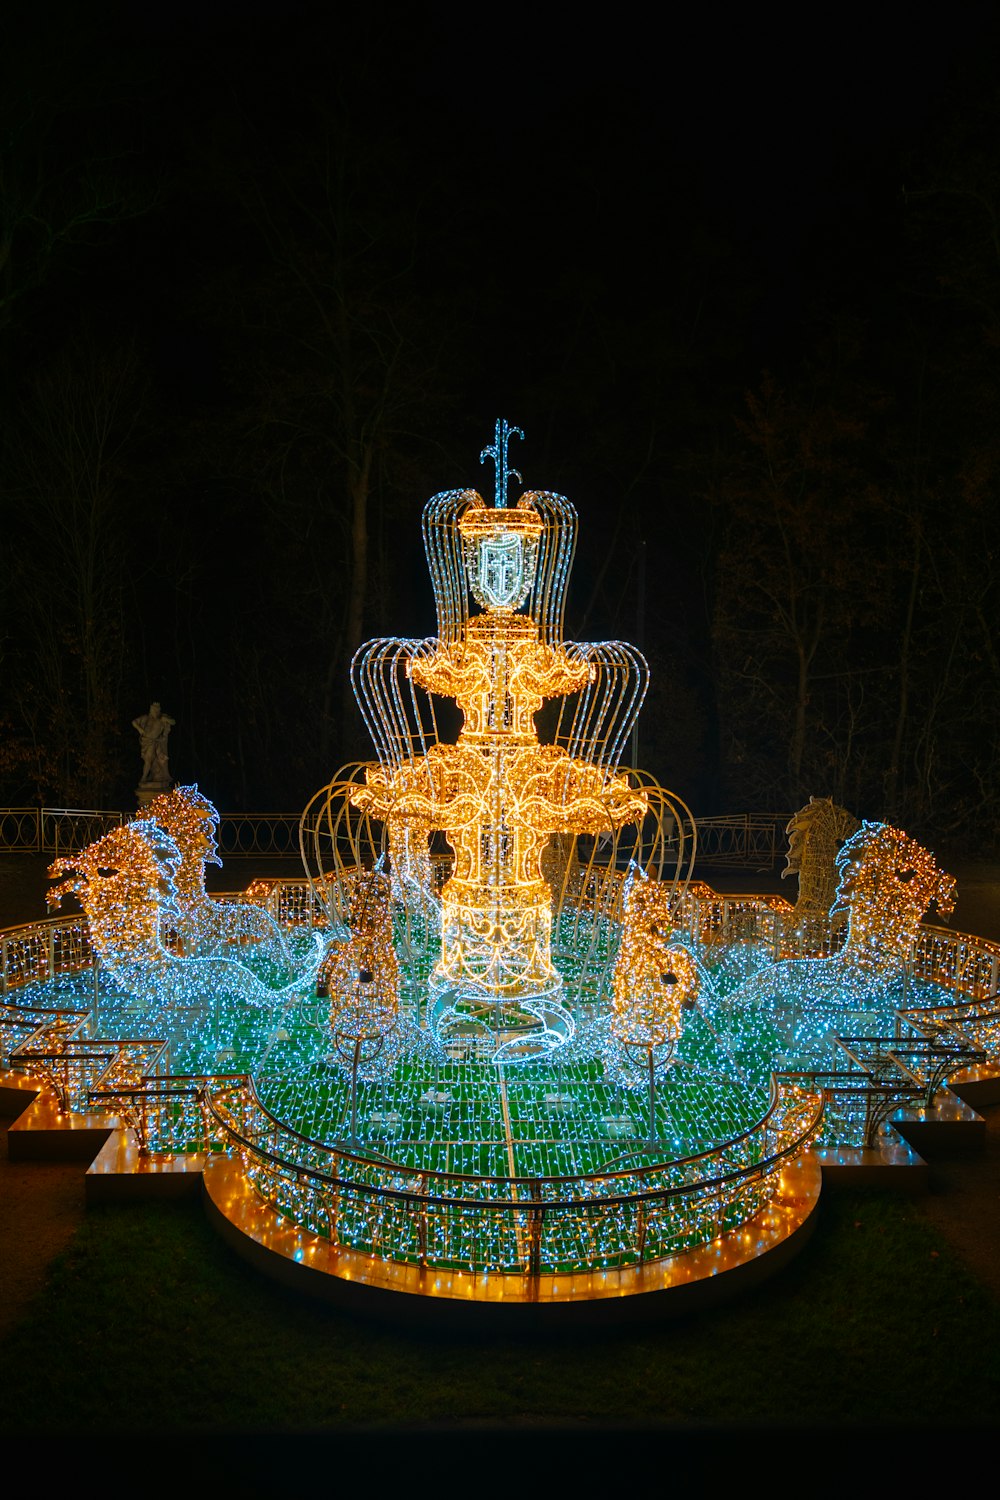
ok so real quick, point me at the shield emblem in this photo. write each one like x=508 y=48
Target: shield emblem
x=501 y=570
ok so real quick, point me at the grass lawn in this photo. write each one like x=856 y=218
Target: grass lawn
x=150 y=1325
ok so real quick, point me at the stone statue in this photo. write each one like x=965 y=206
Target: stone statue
x=153 y=729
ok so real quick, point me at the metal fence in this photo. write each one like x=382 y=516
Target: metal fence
x=53 y=830
x=754 y=841
x=65 y=830
x=259 y=833
x=529 y=1225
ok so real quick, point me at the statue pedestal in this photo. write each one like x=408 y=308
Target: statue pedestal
x=147 y=790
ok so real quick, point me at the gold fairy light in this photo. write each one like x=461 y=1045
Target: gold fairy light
x=158 y=934
x=361 y=976
x=260 y=892
x=654 y=980
x=125 y=882
x=887 y=884
x=191 y=821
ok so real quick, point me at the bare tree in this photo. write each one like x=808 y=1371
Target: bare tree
x=66 y=456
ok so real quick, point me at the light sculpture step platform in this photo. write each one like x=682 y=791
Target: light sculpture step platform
x=383 y=1288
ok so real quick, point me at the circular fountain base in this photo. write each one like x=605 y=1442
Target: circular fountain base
x=671 y=1287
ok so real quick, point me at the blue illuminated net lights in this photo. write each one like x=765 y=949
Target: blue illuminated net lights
x=574 y=1112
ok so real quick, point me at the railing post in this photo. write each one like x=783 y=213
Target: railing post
x=3 y=963
x=640 y=1232
x=536 y=1221
x=422 y=1221
x=334 y=1210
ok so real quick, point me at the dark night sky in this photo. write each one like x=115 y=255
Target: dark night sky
x=536 y=144
x=608 y=225
x=536 y=139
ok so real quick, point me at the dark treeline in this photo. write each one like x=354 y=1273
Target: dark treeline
x=267 y=278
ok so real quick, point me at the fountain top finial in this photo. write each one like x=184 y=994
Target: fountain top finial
x=497 y=450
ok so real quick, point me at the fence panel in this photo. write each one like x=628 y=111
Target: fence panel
x=754 y=841
x=258 y=833
x=746 y=840
x=20 y=831
x=67 y=830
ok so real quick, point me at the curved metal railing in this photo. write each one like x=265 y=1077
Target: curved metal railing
x=53 y=830
x=532 y=1225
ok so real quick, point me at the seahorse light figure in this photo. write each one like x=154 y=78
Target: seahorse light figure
x=127 y=884
x=205 y=926
x=887 y=884
x=815 y=835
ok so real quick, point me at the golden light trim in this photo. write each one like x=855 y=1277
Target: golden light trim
x=361 y=975
x=654 y=980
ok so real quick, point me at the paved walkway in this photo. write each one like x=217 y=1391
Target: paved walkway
x=964 y=1204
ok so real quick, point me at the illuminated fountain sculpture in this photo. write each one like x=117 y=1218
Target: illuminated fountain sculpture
x=429 y=1058
x=511 y=809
